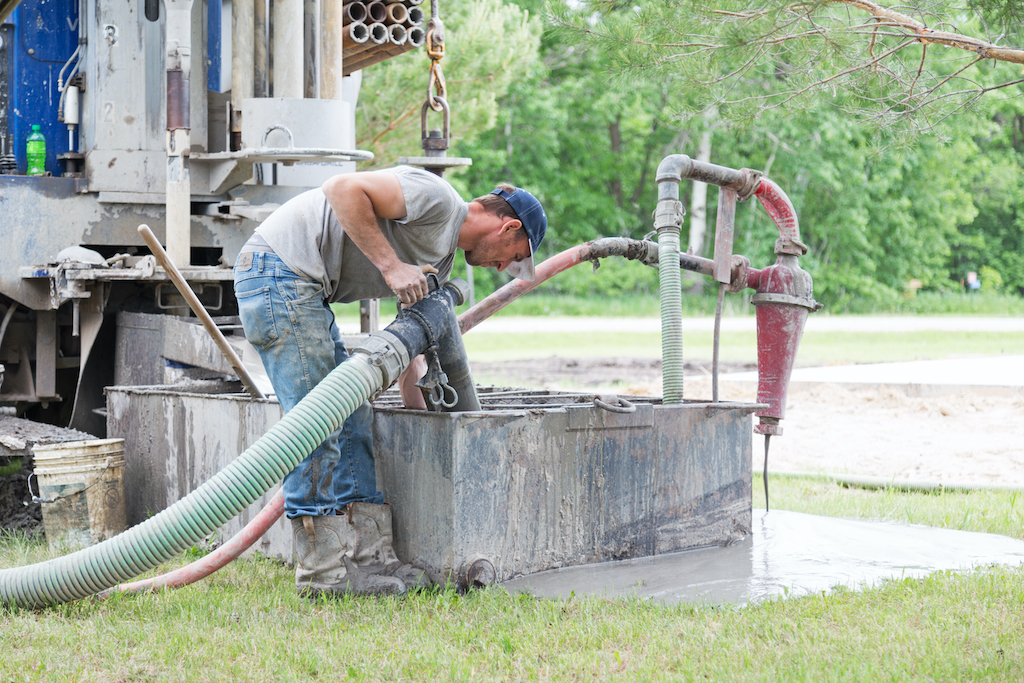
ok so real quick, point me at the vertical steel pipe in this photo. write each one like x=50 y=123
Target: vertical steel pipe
x=178 y=43
x=287 y=48
x=243 y=35
x=332 y=32
x=261 y=84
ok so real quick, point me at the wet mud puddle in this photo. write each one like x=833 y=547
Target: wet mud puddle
x=788 y=554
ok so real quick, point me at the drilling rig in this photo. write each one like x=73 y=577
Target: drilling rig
x=195 y=118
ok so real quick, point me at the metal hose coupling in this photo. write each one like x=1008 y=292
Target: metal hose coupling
x=415 y=330
x=386 y=352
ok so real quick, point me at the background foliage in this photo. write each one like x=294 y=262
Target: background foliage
x=583 y=122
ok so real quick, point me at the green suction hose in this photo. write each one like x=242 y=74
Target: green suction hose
x=668 y=221
x=670 y=291
x=191 y=519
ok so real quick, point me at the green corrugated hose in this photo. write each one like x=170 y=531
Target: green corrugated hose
x=206 y=509
x=670 y=291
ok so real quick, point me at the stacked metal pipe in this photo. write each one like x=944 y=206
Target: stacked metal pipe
x=376 y=30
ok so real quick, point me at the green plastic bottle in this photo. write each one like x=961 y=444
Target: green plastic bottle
x=36 y=152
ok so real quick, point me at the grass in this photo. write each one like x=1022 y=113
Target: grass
x=816 y=348
x=246 y=624
x=996 y=512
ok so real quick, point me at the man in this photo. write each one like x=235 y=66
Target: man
x=360 y=236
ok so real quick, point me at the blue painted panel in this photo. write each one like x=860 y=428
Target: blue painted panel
x=213 y=41
x=45 y=36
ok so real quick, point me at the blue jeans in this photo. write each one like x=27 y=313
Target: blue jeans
x=287 y=320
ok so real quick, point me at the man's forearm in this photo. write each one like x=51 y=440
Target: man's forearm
x=357 y=201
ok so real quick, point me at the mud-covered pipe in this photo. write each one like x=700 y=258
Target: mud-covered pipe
x=588 y=252
x=355 y=34
x=423 y=325
x=373 y=366
x=397 y=34
x=415 y=17
x=331 y=67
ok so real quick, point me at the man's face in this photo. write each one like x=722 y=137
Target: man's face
x=500 y=248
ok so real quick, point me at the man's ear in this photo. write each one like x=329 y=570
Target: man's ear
x=511 y=224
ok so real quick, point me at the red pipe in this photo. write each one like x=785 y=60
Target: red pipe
x=210 y=563
x=778 y=205
x=573 y=256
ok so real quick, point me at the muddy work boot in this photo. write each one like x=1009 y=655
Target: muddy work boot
x=348 y=555
x=374 y=539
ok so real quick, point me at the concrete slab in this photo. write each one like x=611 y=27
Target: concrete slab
x=788 y=554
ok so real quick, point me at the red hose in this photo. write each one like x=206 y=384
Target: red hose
x=210 y=563
x=573 y=256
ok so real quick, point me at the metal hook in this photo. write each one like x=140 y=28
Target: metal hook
x=614 y=404
x=446 y=119
x=278 y=126
x=444 y=389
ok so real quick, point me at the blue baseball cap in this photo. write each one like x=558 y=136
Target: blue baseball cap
x=535 y=222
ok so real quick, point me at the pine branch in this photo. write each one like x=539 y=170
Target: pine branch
x=929 y=35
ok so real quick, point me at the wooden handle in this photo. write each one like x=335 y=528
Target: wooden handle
x=200 y=311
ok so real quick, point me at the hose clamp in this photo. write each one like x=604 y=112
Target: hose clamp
x=788 y=245
x=751 y=181
x=669 y=214
x=386 y=352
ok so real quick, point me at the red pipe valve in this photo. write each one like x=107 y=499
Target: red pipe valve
x=783 y=300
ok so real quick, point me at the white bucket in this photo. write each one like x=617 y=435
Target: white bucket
x=81 y=484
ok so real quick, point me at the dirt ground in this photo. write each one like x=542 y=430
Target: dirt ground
x=961 y=437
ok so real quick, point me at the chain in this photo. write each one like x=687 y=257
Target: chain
x=436 y=86
x=54 y=299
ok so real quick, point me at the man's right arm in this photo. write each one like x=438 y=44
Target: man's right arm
x=357 y=199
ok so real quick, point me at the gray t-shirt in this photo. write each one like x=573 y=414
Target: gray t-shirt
x=306 y=235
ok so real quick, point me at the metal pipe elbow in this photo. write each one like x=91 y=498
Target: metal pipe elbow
x=671 y=172
x=780 y=208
